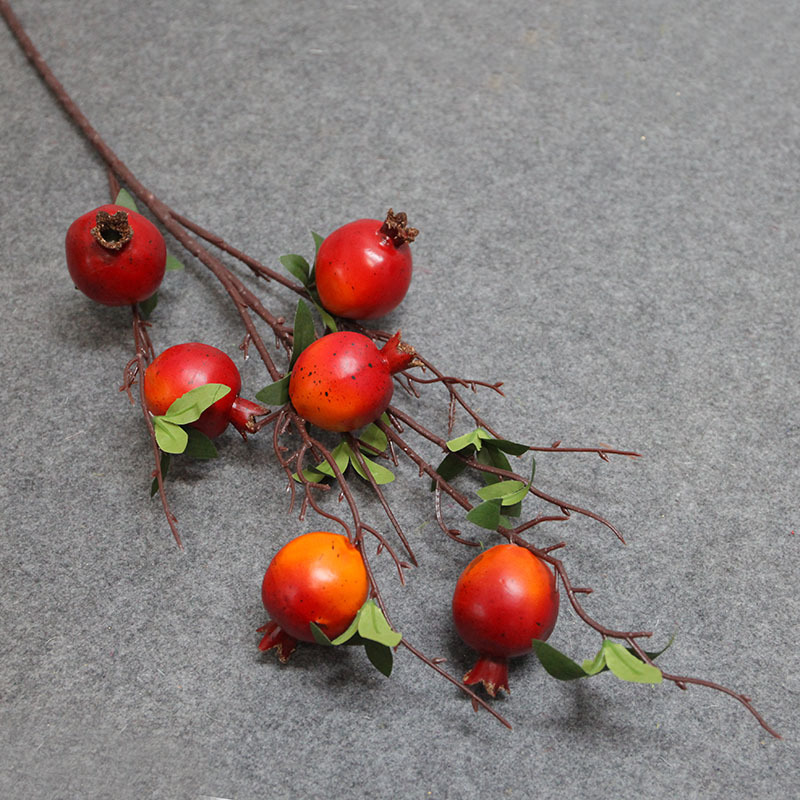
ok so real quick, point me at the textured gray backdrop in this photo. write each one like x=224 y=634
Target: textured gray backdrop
x=608 y=199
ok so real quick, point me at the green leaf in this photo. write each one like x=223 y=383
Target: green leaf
x=341 y=455
x=173 y=265
x=327 y=320
x=374 y=438
x=475 y=438
x=190 y=406
x=628 y=667
x=146 y=307
x=505 y=491
x=509 y=492
x=655 y=654
x=373 y=625
x=171 y=438
x=597 y=664
x=318 y=240
x=380 y=656
x=380 y=474
x=492 y=457
x=319 y=635
x=352 y=630
x=298 y=267
x=311 y=475
x=486 y=515
x=612 y=656
x=556 y=663
x=276 y=394
x=166 y=459
x=304 y=332
x=199 y=445
x=512 y=448
x=125 y=199
x=450 y=467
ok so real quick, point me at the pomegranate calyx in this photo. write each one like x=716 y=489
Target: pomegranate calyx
x=243 y=415
x=492 y=672
x=399 y=355
x=112 y=232
x=275 y=637
x=395 y=227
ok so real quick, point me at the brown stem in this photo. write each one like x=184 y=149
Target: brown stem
x=144 y=352
x=356 y=450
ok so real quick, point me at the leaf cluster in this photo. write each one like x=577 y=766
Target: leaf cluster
x=297 y=266
x=612 y=656
x=371 y=438
x=171 y=434
x=500 y=499
x=369 y=629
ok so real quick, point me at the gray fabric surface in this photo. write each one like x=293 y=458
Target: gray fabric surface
x=608 y=199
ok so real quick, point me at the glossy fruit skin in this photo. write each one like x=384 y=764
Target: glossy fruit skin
x=184 y=367
x=318 y=577
x=342 y=382
x=361 y=271
x=116 y=277
x=504 y=598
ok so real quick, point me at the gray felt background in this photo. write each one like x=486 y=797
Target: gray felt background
x=608 y=198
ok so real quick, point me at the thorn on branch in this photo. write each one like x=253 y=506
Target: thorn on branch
x=245 y=345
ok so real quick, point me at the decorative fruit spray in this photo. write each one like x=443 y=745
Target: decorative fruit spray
x=505 y=602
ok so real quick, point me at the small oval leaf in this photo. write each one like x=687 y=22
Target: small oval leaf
x=373 y=625
x=125 y=199
x=171 y=438
x=352 y=630
x=556 y=663
x=276 y=394
x=450 y=467
x=190 y=406
x=502 y=490
x=146 y=307
x=199 y=445
x=475 y=438
x=512 y=448
x=486 y=515
x=304 y=332
x=374 y=438
x=319 y=635
x=597 y=664
x=628 y=667
x=380 y=656
x=297 y=266
x=341 y=455
x=327 y=320
x=173 y=265
x=164 y=463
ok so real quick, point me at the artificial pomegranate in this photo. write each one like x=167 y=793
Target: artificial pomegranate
x=318 y=577
x=505 y=598
x=186 y=366
x=363 y=269
x=115 y=256
x=342 y=381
